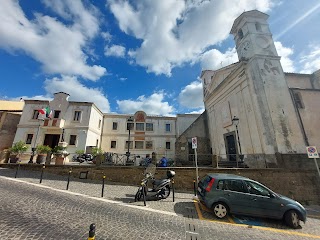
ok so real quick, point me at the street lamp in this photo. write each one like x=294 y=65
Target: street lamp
x=129 y=125
x=35 y=142
x=235 y=121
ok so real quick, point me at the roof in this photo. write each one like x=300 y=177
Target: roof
x=11 y=105
x=252 y=13
x=226 y=176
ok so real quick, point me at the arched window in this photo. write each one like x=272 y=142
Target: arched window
x=240 y=34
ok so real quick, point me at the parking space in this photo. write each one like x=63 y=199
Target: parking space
x=309 y=229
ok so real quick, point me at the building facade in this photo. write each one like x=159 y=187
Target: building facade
x=82 y=126
x=271 y=109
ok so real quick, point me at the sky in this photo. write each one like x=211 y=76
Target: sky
x=128 y=56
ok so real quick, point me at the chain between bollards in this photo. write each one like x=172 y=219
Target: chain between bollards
x=92 y=232
x=103 y=178
x=15 y=176
x=194 y=187
x=172 y=184
x=43 y=167
x=69 y=179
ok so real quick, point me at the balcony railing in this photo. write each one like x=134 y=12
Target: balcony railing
x=58 y=123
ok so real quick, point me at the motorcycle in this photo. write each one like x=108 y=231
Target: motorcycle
x=160 y=189
x=85 y=157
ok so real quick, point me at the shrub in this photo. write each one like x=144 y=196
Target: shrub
x=18 y=148
x=43 y=149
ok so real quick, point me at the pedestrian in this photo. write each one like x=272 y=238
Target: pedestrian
x=163 y=162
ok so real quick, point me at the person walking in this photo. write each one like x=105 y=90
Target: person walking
x=163 y=162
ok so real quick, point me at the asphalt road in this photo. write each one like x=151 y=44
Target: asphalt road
x=29 y=210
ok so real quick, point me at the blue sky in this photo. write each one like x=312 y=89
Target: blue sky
x=145 y=55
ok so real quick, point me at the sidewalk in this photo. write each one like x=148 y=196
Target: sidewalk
x=112 y=191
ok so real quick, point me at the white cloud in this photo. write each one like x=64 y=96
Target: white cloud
x=77 y=91
x=200 y=111
x=191 y=95
x=58 y=47
x=311 y=61
x=285 y=53
x=177 y=31
x=214 y=59
x=152 y=105
x=115 y=50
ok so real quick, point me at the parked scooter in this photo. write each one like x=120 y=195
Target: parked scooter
x=85 y=157
x=161 y=188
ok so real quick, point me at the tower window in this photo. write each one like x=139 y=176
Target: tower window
x=258 y=27
x=240 y=34
x=298 y=100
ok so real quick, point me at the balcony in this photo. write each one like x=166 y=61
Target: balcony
x=58 y=123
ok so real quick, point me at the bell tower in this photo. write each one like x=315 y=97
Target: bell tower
x=273 y=108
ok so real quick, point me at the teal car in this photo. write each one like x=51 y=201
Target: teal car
x=231 y=194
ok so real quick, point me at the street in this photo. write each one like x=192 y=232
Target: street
x=30 y=210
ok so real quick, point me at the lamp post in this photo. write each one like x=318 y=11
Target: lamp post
x=129 y=125
x=235 y=121
x=35 y=142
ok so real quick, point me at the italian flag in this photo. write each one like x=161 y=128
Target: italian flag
x=45 y=112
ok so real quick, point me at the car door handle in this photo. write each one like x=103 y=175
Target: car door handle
x=228 y=194
x=253 y=199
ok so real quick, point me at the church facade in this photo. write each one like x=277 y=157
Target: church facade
x=257 y=112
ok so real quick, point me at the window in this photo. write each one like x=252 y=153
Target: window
x=298 y=99
x=77 y=116
x=35 y=114
x=56 y=114
x=149 y=126
x=257 y=189
x=72 y=140
x=258 y=27
x=168 y=127
x=235 y=185
x=114 y=126
x=130 y=145
x=138 y=144
x=99 y=124
x=167 y=145
x=149 y=145
x=29 y=138
x=140 y=126
x=114 y=144
x=240 y=34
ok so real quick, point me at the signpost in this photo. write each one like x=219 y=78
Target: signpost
x=313 y=153
x=194 y=146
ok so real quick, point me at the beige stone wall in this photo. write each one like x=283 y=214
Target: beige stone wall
x=8 y=128
x=301 y=185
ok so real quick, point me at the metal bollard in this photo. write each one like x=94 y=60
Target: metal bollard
x=103 y=178
x=172 y=184
x=194 y=187
x=144 y=194
x=43 y=167
x=92 y=232
x=15 y=176
x=68 y=179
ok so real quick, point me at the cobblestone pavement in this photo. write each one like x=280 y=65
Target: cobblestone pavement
x=30 y=210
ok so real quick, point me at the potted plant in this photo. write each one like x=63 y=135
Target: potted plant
x=42 y=151
x=60 y=153
x=97 y=154
x=16 y=150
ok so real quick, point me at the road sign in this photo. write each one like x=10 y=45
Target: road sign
x=312 y=152
x=194 y=143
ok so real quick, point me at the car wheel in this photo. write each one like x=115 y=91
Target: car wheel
x=220 y=210
x=292 y=219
